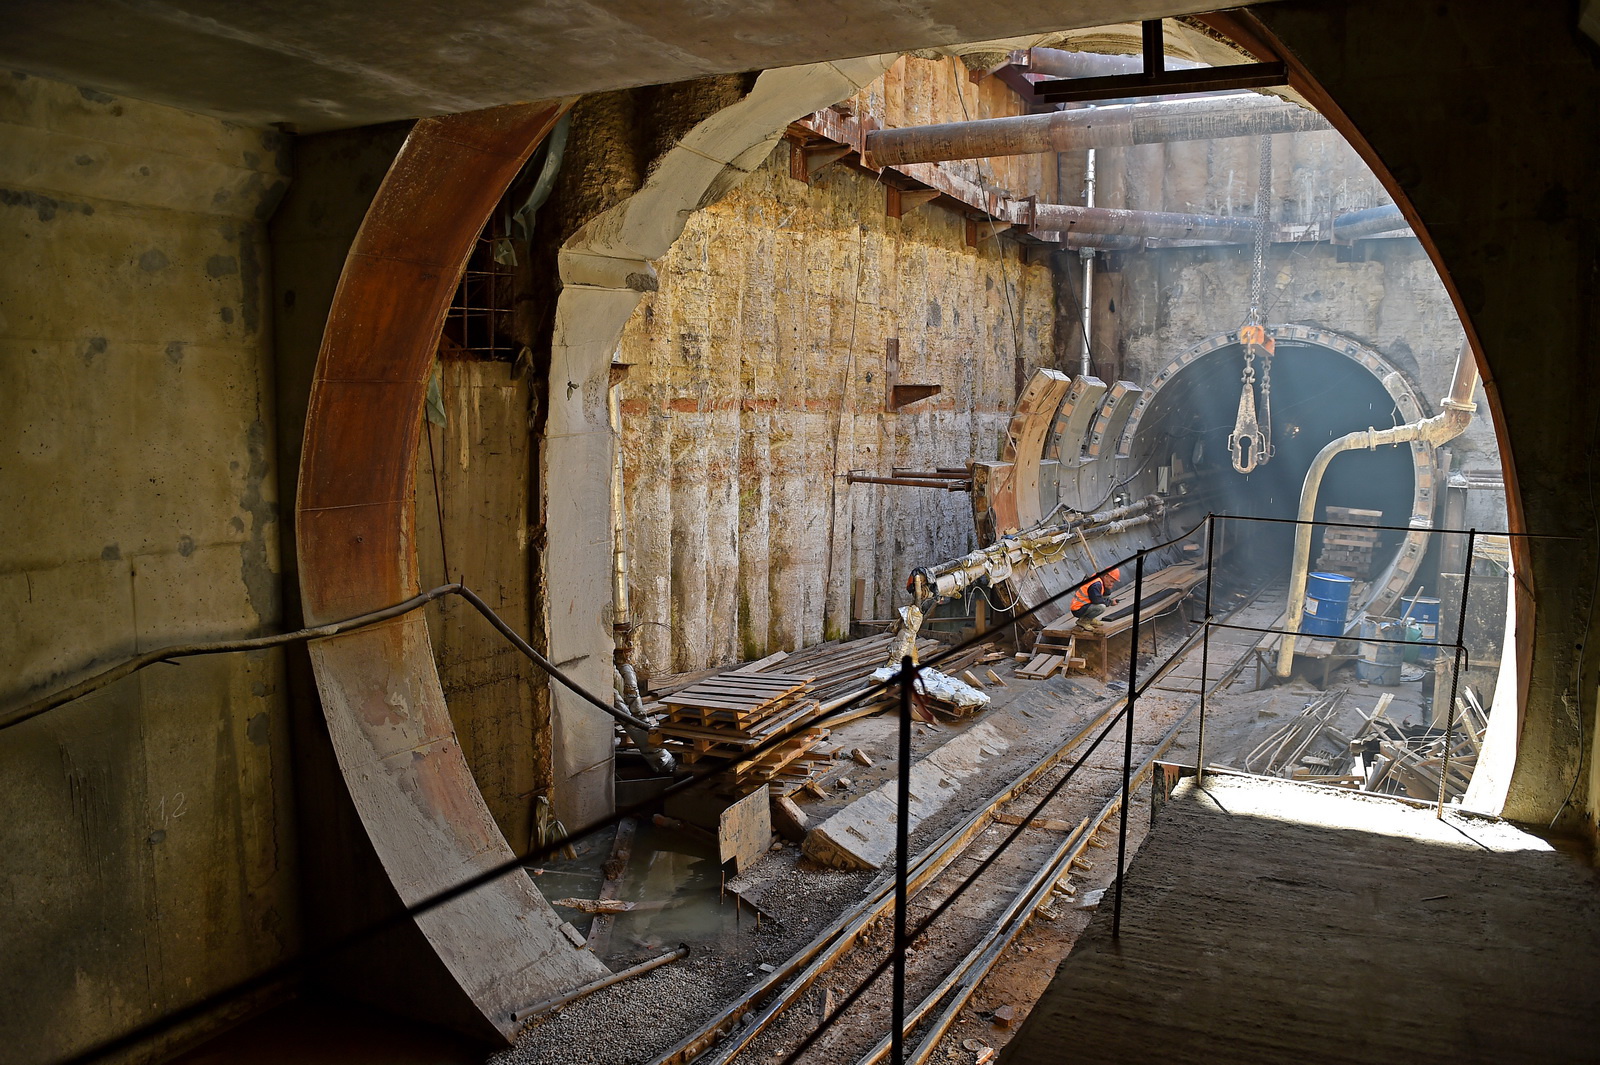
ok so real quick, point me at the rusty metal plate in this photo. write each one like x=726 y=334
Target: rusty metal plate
x=355 y=525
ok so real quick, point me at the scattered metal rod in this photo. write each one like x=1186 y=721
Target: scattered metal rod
x=315 y=632
x=533 y=1013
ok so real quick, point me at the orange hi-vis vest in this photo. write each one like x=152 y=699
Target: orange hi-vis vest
x=1085 y=594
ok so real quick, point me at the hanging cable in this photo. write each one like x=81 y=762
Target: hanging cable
x=1250 y=443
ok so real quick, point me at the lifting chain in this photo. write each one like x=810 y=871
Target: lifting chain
x=1250 y=443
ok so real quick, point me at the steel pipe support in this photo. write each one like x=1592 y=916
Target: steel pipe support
x=1441 y=428
x=1118 y=126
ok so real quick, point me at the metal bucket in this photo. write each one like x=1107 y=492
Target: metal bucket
x=1327 y=604
x=1425 y=612
x=1380 y=662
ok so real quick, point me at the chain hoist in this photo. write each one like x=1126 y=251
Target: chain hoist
x=1250 y=443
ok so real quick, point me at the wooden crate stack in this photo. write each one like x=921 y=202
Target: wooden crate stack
x=722 y=718
x=1349 y=551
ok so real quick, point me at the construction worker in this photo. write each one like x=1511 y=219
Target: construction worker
x=1093 y=599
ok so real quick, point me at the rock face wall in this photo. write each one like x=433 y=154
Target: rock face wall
x=149 y=857
x=759 y=379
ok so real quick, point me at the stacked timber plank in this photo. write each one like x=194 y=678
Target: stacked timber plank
x=837 y=669
x=842 y=669
x=1349 y=551
x=722 y=718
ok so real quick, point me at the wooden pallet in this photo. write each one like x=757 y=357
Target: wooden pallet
x=739 y=698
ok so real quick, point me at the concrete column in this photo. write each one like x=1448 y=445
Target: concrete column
x=605 y=268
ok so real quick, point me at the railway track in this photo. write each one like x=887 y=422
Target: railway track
x=1026 y=867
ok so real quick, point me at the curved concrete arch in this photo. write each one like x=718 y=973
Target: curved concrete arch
x=355 y=524
x=1396 y=577
x=605 y=270
x=385 y=708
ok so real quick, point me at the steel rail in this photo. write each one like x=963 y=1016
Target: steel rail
x=975 y=967
x=1172 y=661
x=819 y=955
x=790 y=982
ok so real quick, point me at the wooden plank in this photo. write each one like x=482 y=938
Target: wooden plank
x=744 y=831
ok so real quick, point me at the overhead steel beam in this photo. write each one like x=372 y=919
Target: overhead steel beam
x=1120 y=126
x=1205 y=79
x=1060 y=63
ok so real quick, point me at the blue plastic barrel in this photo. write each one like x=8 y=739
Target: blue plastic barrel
x=1380 y=662
x=1327 y=604
x=1425 y=612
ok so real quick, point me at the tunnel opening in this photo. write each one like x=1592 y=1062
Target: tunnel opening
x=1318 y=394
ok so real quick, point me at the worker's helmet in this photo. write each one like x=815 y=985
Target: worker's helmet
x=1114 y=576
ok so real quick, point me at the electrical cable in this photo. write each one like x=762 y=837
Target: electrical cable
x=128 y=667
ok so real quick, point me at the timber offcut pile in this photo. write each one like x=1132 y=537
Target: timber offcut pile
x=1382 y=756
x=722 y=718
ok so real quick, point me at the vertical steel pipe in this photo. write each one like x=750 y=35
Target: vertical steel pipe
x=902 y=850
x=1455 y=671
x=1127 y=742
x=1205 y=645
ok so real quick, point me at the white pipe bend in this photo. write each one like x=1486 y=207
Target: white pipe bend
x=1439 y=429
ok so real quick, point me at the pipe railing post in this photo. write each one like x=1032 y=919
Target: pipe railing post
x=1127 y=742
x=1205 y=646
x=902 y=837
x=1455 y=671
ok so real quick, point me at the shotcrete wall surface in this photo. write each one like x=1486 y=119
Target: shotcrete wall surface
x=759 y=380
x=148 y=855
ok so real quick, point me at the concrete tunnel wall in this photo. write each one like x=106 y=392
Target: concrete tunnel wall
x=150 y=854
x=759 y=374
x=1514 y=228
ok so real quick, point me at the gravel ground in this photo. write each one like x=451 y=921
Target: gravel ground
x=635 y=1022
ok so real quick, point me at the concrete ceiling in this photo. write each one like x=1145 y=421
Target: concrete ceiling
x=333 y=64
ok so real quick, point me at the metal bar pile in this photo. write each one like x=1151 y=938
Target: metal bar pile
x=1419 y=761
x=1382 y=757
x=1307 y=743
